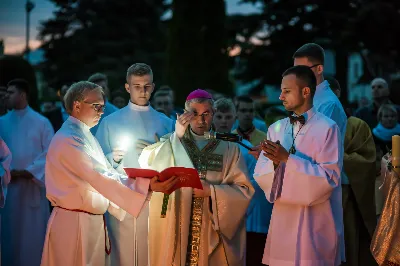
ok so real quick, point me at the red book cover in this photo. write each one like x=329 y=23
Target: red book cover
x=188 y=177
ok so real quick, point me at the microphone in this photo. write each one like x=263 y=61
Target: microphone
x=226 y=137
x=223 y=136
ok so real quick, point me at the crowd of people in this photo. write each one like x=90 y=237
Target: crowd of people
x=303 y=188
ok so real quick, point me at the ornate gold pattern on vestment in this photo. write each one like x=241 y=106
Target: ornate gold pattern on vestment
x=202 y=160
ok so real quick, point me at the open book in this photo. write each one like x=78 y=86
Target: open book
x=188 y=177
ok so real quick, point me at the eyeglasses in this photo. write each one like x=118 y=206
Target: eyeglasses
x=96 y=106
x=203 y=115
x=314 y=66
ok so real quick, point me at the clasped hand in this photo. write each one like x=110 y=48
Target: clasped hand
x=275 y=152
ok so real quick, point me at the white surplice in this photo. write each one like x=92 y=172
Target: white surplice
x=306 y=227
x=5 y=162
x=79 y=177
x=27 y=135
x=121 y=130
x=223 y=230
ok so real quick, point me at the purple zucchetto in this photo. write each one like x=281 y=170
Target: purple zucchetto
x=202 y=94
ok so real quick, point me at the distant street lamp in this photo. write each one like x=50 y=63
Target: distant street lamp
x=28 y=8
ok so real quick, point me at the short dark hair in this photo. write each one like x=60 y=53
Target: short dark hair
x=333 y=83
x=305 y=77
x=139 y=69
x=21 y=84
x=98 y=77
x=312 y=51
x=242 y=99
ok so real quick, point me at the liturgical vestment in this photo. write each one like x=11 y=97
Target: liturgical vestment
x=199 y=231
x=358 y=197
x=121 y=130
x=27 y=135
x=306 y=227
x=82 y=186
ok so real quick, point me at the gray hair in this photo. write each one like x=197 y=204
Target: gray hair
x=77 y=93
x=199 y=100
x=224 y=105
x=139 y=69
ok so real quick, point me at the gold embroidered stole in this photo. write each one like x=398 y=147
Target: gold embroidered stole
x=202 y=160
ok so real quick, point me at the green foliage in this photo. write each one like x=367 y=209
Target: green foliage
x=108 y=36
x=342 y=25
x=197 y=54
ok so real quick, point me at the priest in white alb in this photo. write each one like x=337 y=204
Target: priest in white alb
x=119 y=134
x=26 y=211
x=301 y=175
x=82 y=186
x=201 y=227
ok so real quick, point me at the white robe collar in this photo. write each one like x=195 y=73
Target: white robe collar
x=79 y=123
x=20 y=112
x=139 y=108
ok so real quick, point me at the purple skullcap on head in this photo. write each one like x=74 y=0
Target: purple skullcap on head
x=199 y=94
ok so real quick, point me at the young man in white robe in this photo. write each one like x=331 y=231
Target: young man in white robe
x=202 y=227
x=301 y=175
x=259 y=210
x=82 y=186
x=5 y=176
x=27 y=135
x=119 y=134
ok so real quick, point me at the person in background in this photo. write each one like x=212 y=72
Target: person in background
x=102 y=80
x=357 y=196
x=257 y=122
x=259 y=210
x=387 y=127
x=162 y=101
x=380 y=96
x=245 y=116
x=27 y=135
x=171 y=92
x=119 y=99
x=3 y=105
x=58 y=115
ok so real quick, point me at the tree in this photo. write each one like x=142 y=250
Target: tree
x=106 y=36
x=343 y=26
x=197 y=47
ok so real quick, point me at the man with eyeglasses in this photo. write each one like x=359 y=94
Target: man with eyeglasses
x=201 y=227
x=24 y=218
x=122 y=135
x=82 y=186
x=380 y=95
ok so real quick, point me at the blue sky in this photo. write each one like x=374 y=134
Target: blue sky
x=12 y=20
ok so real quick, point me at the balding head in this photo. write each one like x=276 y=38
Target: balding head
x=380 y=88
